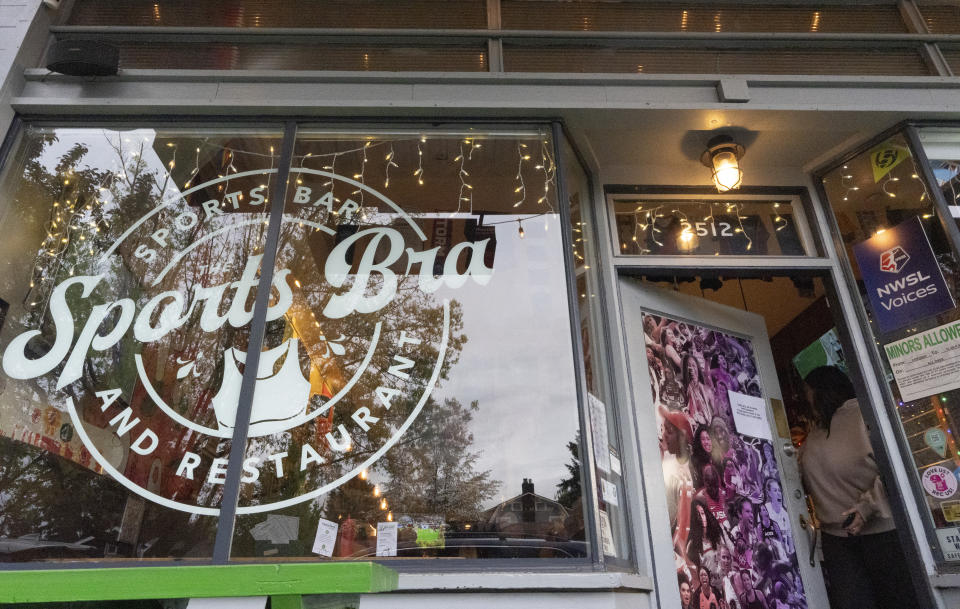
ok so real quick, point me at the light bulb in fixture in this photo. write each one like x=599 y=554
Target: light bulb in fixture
x=687 y=240
x=520 y=230
x=722 y=156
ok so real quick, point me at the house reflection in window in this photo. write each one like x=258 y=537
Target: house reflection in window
x=527 y=515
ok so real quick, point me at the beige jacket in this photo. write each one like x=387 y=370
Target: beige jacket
x=840 y=473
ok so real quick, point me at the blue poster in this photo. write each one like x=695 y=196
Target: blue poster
x=901 y=276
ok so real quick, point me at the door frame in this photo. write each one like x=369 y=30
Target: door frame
x=825 y=263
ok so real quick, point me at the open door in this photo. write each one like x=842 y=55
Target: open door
x=727 y=511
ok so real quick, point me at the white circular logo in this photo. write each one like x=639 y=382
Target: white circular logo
x=939 y=482
x=348 y=365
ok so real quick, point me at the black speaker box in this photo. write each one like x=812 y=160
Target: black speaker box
x=83 y=58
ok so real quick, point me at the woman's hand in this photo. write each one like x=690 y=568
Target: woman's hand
x=856 y=524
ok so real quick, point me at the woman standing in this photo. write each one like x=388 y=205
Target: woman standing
x=862 y=555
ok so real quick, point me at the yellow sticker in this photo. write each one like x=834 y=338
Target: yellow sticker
x=885 y=157
x=951 y=511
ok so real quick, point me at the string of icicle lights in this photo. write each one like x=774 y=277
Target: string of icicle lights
x=78 y=212
x=646 y=230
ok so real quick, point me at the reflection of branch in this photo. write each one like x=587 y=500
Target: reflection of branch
x=7 y=480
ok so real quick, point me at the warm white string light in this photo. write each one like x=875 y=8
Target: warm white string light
x=173 y=159
x=362 y=175
x=848 y=188
x=887 y=183
x=332 y=168
x=303 y=162
x=390 y=163
x=521 y=190
x=549 y=168
x=740 y=228
x=778 y=218
x=473 y=146
x=196 y=170
x=419 y=172
x=465 y=186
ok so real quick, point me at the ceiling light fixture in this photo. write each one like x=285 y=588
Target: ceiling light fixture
x=722 y=156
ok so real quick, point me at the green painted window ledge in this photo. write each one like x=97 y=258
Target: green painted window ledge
x=285 y=582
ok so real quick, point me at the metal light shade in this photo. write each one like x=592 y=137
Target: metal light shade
x=722 y=156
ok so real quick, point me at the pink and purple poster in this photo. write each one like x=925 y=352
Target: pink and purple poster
x=732 y=542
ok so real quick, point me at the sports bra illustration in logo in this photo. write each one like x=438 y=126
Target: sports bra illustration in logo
x=278 y=398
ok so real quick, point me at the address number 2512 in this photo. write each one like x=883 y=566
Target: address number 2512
x=704 y=229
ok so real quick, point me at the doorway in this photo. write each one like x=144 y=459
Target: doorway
x=717 y=362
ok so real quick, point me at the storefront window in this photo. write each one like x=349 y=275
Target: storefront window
x=434 y=417
x=608 y=470
x=415 y=391
x=907 y=274
x=721 y=226
x=126 y=271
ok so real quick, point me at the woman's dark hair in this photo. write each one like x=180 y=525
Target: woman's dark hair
x=698 y=456
x=713 y=531
x=831 y=388
x=763 y=556
x=686 y=370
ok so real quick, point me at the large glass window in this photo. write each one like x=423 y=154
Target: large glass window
x=415 y=392
x=127 y=268
x=907 y=274
x=602 y=412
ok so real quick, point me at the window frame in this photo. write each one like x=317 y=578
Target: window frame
x=800 y=208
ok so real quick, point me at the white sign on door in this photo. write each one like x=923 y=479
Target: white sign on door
x=750 y=415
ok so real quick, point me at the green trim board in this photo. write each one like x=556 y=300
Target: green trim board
x=129 y=583
x=286 y=602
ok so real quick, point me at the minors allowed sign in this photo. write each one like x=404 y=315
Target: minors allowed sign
x=902 y=277
x=928 y=363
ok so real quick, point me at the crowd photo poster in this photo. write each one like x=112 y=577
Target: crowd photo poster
x=731 y=534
